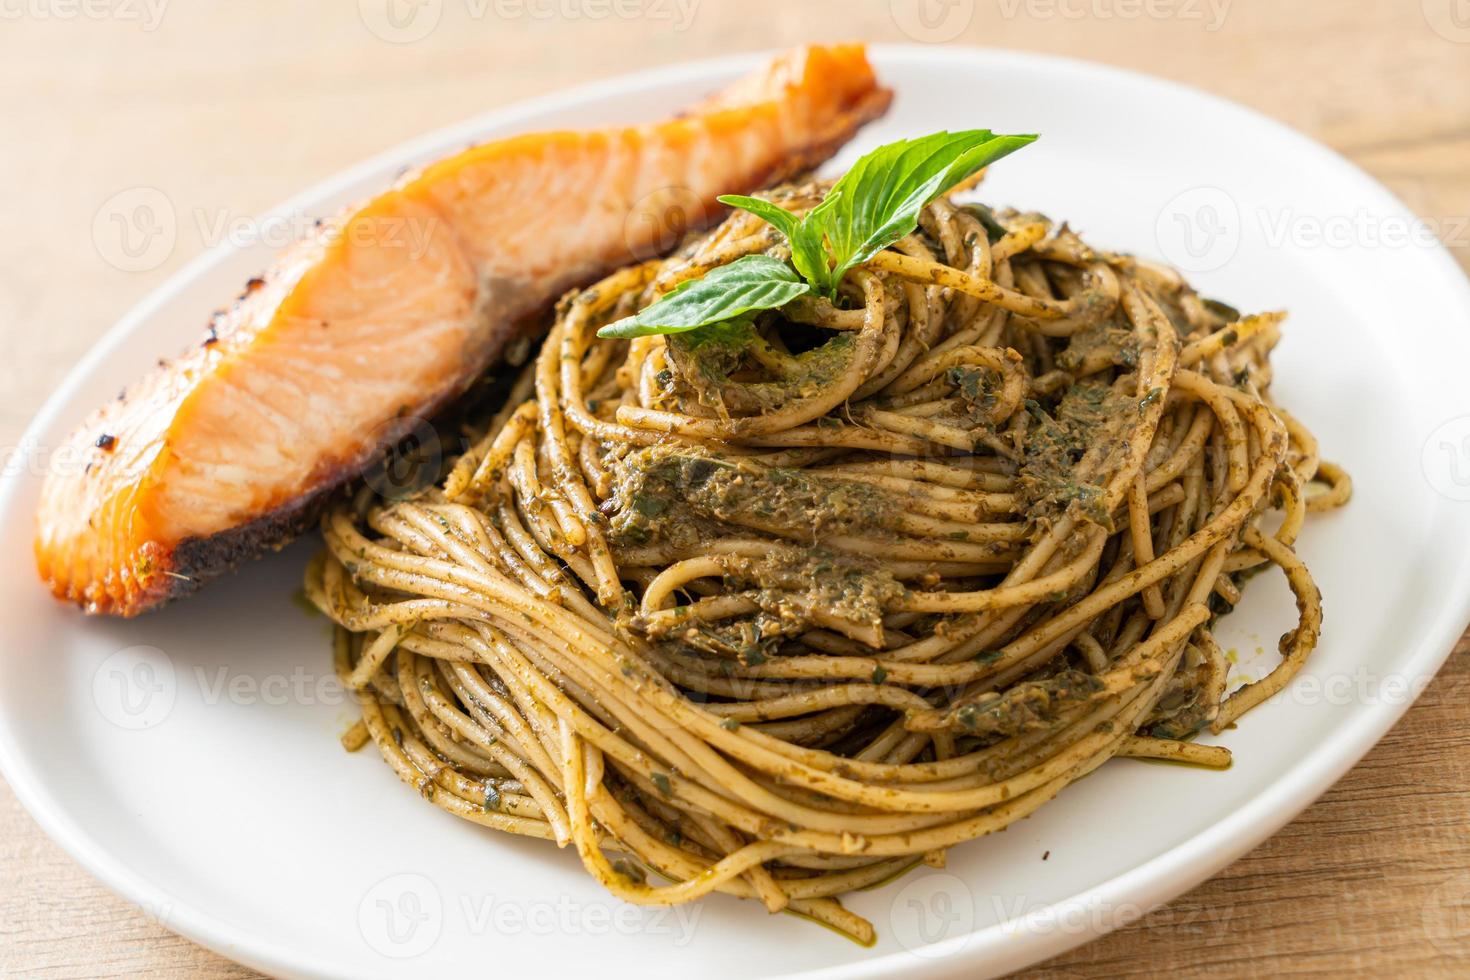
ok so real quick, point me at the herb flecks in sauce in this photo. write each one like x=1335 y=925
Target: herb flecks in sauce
x=1087 y=428
x=1027 y=707
x=683 y=497
x=680 y=495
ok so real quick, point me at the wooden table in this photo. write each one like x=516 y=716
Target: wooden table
x=228 y=108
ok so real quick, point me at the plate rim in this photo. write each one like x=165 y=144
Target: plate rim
x=989 y=950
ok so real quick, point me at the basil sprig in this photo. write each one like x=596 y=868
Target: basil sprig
x=752 y=282
x=876 y=203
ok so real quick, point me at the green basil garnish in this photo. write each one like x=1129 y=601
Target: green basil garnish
x=876 y=203
x=750 y=283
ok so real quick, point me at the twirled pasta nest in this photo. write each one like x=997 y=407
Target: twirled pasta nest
x=781 y=614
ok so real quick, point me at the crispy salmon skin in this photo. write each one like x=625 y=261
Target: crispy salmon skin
x=391 y=310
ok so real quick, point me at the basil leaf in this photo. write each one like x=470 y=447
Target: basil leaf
x=873 y=205
x=806 y=248
x=994 y=230
x=734 y=334
x=775 y=214
x=878 y=200
x=752 y=282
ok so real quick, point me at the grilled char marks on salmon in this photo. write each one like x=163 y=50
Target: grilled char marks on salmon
x=390 y=311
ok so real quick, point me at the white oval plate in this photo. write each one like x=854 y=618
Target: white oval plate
x=190 y=759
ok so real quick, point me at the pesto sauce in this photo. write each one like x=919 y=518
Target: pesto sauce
x=1026 y=707
x=685 y=496
x=1091 y=417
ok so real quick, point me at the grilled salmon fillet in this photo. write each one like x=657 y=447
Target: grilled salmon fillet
x=390 y=311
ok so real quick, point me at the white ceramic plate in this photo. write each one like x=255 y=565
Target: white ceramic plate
x=190 y=759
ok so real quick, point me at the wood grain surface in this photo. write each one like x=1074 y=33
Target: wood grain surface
x=228 y=108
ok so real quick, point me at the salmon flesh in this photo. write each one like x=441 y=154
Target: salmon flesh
x=390 y=311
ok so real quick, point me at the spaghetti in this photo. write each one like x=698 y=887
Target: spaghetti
x=779 y=610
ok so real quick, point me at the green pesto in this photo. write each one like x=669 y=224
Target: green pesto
x=1091 y=418
x=1026 y=707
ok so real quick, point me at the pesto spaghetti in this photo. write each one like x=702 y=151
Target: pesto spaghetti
x=781 y=606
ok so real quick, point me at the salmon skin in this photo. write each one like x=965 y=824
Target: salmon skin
x=391 y=310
